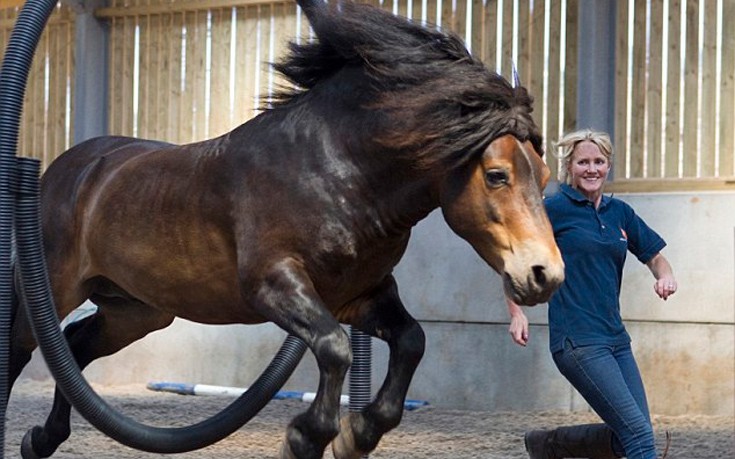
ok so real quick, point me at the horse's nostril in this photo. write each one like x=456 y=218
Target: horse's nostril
x=539 y=275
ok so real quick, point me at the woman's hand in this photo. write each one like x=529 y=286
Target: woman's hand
x=518 y=323
x=665 y=285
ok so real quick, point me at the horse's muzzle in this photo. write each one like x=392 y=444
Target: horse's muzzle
x=535 y=285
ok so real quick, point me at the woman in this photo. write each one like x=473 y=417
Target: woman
x=588 y=340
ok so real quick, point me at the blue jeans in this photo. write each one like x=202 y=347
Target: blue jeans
x=609 y=380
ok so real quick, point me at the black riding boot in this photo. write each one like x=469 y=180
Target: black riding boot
x=593 y=441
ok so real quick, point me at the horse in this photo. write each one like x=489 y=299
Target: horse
x=299 y=216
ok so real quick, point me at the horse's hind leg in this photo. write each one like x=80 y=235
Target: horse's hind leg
x=382 y=315
x=117 y=323
x=22 y=341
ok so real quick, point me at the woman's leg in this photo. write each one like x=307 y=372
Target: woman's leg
x=609 y=380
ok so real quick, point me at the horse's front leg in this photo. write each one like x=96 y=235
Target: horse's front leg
x=287 y=297
x=384 y=316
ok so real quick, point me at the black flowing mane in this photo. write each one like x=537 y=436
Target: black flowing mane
x=444 y=104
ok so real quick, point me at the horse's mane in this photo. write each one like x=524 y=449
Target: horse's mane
x=445 y=104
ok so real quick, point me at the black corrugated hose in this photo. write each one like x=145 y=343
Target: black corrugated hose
x=360 y=378
x=13 y=76
x=22 y=212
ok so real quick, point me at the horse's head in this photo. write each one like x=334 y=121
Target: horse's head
x=446 y=115
x=494 y=202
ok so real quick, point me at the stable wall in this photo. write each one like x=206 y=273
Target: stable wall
x=685 y=346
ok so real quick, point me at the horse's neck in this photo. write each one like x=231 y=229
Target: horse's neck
x=403 y=199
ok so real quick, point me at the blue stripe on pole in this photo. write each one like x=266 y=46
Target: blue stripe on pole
x=205 y=389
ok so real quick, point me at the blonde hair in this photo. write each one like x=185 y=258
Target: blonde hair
x=568 y=142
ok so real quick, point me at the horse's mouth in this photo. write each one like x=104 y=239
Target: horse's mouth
x=526 y=293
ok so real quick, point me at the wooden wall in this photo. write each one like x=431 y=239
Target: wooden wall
x=187 y=70
x=47 y=119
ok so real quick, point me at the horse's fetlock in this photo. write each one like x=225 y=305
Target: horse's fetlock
x=308 y=436
x=385 y=415
x=365 y=432
x=36 y=444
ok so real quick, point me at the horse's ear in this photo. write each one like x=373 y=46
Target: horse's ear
x=516 y=78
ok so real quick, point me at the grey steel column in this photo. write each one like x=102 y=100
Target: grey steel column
x=596 y=60
x=91 y=71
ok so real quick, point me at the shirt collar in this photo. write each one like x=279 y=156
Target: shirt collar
x=575 y=195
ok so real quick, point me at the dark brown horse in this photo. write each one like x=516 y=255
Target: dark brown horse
x=299 y=216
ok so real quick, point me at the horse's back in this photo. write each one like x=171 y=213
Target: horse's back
x=73 y=162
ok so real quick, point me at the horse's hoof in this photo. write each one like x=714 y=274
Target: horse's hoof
x=286 y=452
x=26 y=446
x=343 y=446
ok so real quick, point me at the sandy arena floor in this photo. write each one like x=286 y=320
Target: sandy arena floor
x=424 y=433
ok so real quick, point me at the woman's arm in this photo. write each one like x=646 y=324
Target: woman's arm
x=665 y=285
x=518 y=323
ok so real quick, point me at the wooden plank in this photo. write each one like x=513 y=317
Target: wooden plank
x=128 y=76
x=36 y=125
x=672 y=153
x=523 y=64
x=4 y=32
x=534 y=82
x=431 y=7
x=459 y=18
x=638 y=93
x=199 y=64
x=402 y=8
x=57 y=92
x=552 y=129
x=691 y=100
x=571 y=67
x=70 y=52
x=114 y=82
x=157 y=69
x=654 y=126
x=142 y=121
x=120 y=9
x=708 y=113
x=417 y=11
x=7 y=4
x=245 y=64
x=285 y=31
x=727 y=92
x=507 y=40
x=186 y=115
x=122 y=38
x=668 y=185
x=489 y=33
x=32 y=99
x=162 y=32
x=478 y=36
x=536 y=66
x=172 y=107
x=264 y=80
x=221 y=109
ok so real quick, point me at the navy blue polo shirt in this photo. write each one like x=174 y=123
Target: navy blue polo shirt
x=593 y=243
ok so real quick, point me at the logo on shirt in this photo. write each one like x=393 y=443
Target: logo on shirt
x=625 y=235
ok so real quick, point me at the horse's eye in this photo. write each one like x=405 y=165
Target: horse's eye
x=496 y=177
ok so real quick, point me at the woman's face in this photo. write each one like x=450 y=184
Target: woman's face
x=588 y=169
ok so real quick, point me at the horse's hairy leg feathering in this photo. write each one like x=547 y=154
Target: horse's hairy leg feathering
x=383 y=316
